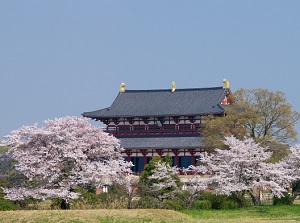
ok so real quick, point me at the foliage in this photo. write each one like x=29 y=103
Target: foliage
x=261 y=114
x=65 y=153
x=149 y=202
x=295 y=190
x=148 y=169
x=158 y=182
x=291 y=164
x=284 y=200
x=216 y=128
x=8 y=174
x=159 y=178
x=186 y=197
x=202 y=204
x=3 y=149
x=242 y=170
x=279 y=152
x=6 y=164
x=182 y=199
x=165 y=181
x=6 y=205
x=116 y=197
x=174 y=204
x=217 y=201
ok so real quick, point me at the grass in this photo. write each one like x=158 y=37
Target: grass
x=257 y=214
x=96 y=216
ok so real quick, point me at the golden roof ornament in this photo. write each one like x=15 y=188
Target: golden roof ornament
x=226 y=83
x=122 y=87
x=173 y=86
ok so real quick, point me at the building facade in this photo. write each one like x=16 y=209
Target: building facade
x=159 y=122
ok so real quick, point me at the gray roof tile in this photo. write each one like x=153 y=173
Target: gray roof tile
x=142 y=103
x=168 y=142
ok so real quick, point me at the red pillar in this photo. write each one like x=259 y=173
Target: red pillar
x=128 y=153
x=192 y=152
x=144 y=153
x=176 y=153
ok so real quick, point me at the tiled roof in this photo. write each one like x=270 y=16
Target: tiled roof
x=161 y=142
x=143 y=103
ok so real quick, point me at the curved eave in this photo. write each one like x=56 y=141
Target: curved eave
x=98 y=116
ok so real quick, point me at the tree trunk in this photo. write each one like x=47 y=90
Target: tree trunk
x=239 y=198
x=130 y=201
x=255 y=199
x=255 y=194
x=65 y=205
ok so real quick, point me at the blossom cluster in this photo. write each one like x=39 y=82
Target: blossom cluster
x=244 y=167
x=63 y=154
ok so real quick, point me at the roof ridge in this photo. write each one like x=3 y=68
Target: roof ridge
x=177 y=89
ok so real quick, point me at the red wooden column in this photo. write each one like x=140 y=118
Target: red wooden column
x=131 y=122
x=176 y=153
x=144 y=153
x=176 y=120
x=128 y=153
x=106 y=121
x=116 y=122
x=192 y=152
x=146 y=122
x=192 y=121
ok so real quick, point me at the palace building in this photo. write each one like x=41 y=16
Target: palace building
x=159 y=122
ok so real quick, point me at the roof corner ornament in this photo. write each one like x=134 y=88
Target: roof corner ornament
x=173 y=86
x=122 y=87
x=226 y=83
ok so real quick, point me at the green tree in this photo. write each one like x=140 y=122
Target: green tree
x=155 y=189
x=263 y=115
x=149 y=168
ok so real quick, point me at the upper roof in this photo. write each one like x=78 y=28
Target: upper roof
x=145 y=103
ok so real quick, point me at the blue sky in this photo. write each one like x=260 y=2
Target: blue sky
x=60 y=58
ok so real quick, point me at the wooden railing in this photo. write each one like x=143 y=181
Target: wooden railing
x=153 y=129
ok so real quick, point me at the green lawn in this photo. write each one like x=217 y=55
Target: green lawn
x=95 y=216
x=252 y=214
x=267 y=213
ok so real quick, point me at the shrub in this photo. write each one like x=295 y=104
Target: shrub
x=202 y=204
x=7 y=205
x=173 y=205
x=228 y=204
x=285 y=200
x=218 y=201
x=149 y=202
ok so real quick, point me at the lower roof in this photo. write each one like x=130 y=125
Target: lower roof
x=161 y=142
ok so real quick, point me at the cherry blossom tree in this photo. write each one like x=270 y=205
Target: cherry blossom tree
x=242 y=169
x=291 y=165
x=165 y=180
x=194 y=185
x=158 y=182
x=63 y=154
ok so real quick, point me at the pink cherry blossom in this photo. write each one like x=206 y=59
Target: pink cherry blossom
x=64 y=153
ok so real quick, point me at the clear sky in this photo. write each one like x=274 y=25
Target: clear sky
x=65 y=57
